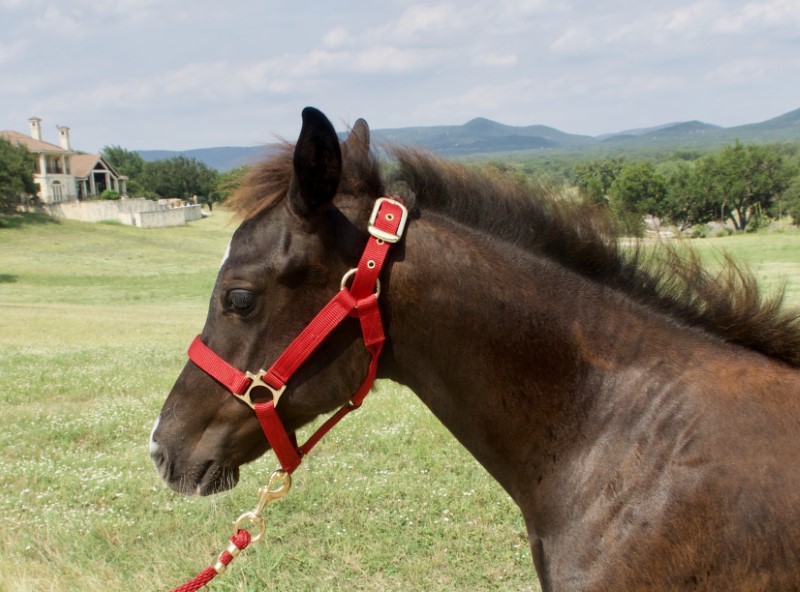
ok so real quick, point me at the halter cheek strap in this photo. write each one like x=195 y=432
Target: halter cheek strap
x=386 y=226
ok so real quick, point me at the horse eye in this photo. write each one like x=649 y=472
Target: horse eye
x=241 y=302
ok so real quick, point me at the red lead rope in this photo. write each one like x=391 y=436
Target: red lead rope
x=239 y=542
x=361 y=299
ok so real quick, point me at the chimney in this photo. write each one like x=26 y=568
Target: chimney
x=63 y=135
x=36 y=128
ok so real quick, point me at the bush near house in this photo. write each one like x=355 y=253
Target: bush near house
x=110 y=194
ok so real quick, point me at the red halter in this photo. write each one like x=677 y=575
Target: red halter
x=386 y=226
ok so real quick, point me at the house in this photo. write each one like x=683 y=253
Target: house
x=63 y=174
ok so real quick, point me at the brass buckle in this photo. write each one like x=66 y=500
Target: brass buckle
x=257 y=380
x=382 y=234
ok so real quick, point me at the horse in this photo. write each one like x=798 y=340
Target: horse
x=641 y=410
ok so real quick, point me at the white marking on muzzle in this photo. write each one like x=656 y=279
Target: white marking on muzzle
x=154 y=447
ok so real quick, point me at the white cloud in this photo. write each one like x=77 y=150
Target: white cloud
x=575 y=40
x=743 y=71
x=639 y=86
x=337 y=37
x=692 y=19
x=759 y=15
x=12 y=4
x=421 y=24
x=386 y=59
x=54 y=20
x=405 y=63
x=9 y=51
x=422 y=18
x=497 y=60
x=481 y=99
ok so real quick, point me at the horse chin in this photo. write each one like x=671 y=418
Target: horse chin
x=207 y=479
x=222 y=479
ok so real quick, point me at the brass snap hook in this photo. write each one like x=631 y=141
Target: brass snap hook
x=279 y=483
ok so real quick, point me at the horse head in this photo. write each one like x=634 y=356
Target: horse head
x=304 y=226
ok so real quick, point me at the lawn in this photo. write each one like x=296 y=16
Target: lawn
x=94 y=325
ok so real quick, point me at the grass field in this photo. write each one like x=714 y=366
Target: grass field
x=94 y=324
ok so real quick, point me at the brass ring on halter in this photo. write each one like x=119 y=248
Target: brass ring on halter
x=348 y=276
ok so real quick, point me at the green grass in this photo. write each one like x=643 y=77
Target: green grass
x=774 y=258
x=94 y=325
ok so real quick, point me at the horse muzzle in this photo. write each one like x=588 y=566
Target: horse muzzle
x=197 y=476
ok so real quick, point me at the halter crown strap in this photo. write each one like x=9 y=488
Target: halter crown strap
x=386 y=226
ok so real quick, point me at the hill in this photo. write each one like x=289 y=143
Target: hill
x=480 y=136
x=223 y=158
x=484 y=136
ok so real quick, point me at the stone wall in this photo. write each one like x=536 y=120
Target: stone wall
x=169 y=217
x=140 y=212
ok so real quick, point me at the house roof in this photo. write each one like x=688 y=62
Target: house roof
x=32 y=144
x=83 y=164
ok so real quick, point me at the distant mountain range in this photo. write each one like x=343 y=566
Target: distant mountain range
x=484 y=136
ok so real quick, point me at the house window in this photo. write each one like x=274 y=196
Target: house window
x=54 y=165
x=58 y=192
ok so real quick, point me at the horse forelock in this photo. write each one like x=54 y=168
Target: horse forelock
x=265 y=185
x=581 y=237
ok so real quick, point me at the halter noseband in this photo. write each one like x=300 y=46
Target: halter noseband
x=386 y=226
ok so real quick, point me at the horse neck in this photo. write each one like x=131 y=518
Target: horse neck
x=502 y=345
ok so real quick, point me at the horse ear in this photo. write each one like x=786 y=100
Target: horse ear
x=317 y=164
x=356 y=147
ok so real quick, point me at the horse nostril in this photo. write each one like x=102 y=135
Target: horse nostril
x=156 y=451
x=161 y=461
x=158 y=456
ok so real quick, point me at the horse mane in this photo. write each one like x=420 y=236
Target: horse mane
x=668 y=278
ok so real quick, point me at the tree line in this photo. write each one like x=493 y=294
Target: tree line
x=178 y=177
x=742 y=185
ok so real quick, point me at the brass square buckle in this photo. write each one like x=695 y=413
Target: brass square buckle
x=256 y=381
x=382 y=234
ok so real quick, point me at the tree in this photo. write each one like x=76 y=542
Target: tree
x=636 y=191
x=227 y=183
x=17 y=166
x=742 y=181
x=638 y=188
x=179 y=177
x=127 y=163
x=686 y=203
x=594 y=178
x=792 y=200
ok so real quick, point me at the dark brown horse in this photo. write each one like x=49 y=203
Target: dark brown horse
x=643 y=414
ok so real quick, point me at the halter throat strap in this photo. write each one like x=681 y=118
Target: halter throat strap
x=386 y=226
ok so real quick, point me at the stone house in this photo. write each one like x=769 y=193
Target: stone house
x=62 y=174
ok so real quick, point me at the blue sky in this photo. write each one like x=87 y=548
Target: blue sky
x=179 y=74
